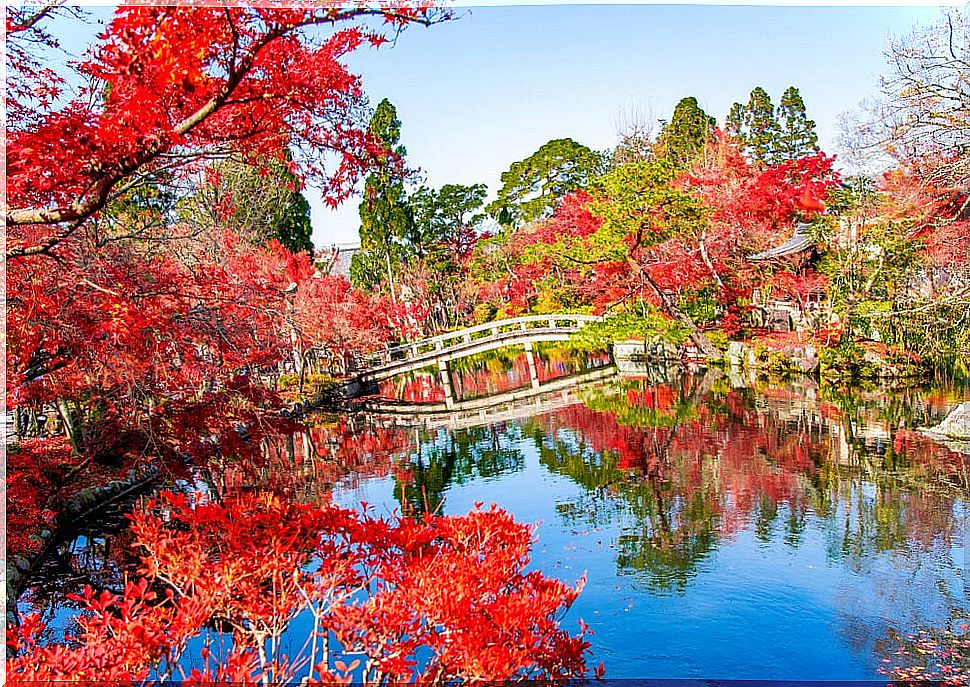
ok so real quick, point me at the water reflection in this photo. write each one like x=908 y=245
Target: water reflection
x=443 y=459
x=491 y=373
x=685 y=466
x=707 y=509
x=707 y=486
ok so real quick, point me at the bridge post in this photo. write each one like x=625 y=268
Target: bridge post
x=531 y=360
x=446 y=383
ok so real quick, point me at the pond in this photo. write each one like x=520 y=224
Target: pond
x=727 y=527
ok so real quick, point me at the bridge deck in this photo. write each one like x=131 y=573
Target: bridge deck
x=465 y=342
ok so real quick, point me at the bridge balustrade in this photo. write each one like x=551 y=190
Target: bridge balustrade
x=439 y=349
x=510 y=329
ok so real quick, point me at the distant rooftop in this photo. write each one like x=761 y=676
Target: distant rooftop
x=800 y=241
x=342 y=255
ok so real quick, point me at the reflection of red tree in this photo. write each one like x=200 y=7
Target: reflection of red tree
x=497 y=376
x=738 y=457
x=419 y=389
x=753 y=456
x=304 y=466
x=565 y=363
x=494 y=377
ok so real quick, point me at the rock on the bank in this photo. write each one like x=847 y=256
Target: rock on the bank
x=799 y=358
x=956 y=425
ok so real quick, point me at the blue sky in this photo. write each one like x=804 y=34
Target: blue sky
x=485 y=90
x=476 y=94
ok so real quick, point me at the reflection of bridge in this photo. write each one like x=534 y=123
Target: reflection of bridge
x=511 y=405
x=439 y=350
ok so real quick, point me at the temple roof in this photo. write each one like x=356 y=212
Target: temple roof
x=340 y=263
x=800 y=241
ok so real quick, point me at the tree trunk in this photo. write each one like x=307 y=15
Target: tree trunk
x=707 y=260
x=65 y=412
x=696 y=335
x=390 y=277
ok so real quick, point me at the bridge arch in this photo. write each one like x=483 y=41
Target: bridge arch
x=440 y=350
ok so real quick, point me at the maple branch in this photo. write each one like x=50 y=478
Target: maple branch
x=91 y=202
x=955 y=298
x=36 y=17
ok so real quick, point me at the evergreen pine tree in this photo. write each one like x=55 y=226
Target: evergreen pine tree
x=760 y=128
x=386 y=217
x=684 y=137
x=734 y=123
x=797 y=136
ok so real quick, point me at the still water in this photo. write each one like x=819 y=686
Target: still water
x=727 y=527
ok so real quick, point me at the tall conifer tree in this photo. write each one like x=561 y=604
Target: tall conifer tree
x=386 y=217
x=760 y=128
x=684 y=137
x=796 y=136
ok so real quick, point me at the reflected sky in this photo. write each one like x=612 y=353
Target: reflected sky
x=727 y=527
x=763 y=531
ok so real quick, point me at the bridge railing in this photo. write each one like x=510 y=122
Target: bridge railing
x=481 y=332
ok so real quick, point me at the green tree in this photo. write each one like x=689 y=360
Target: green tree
x=532 y=187
x=386 y=218
x=684 y=137
x=641 y=209
x=446 y=224
x=449 y=214
x=796 y=132
x=734 y=122
x=755 y=127
x=258 y=202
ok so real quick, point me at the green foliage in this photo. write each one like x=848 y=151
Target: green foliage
x=495 y=359
x=769 y=136
x=857 y=194
x=880 y=279
x=846 y=359
x=291 y=382
x=718 y=339
x=294 y=230
x=639 y=207
x=648 y=325
x=686 y=135
x=258 y=202
x=734 y=122
x=755 y=126
x=851 y=360
x=484 y=312
x=532 y=187
x=928 y=328
x=796 y=132
x=701 y=305
x=614 y=399
x=386 y=218
x=868 y=276
x=446 y=217
x=368 y=268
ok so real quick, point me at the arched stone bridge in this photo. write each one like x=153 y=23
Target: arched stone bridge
x=439 y=350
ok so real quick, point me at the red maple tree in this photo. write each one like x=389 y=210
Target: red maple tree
x=248 y=566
